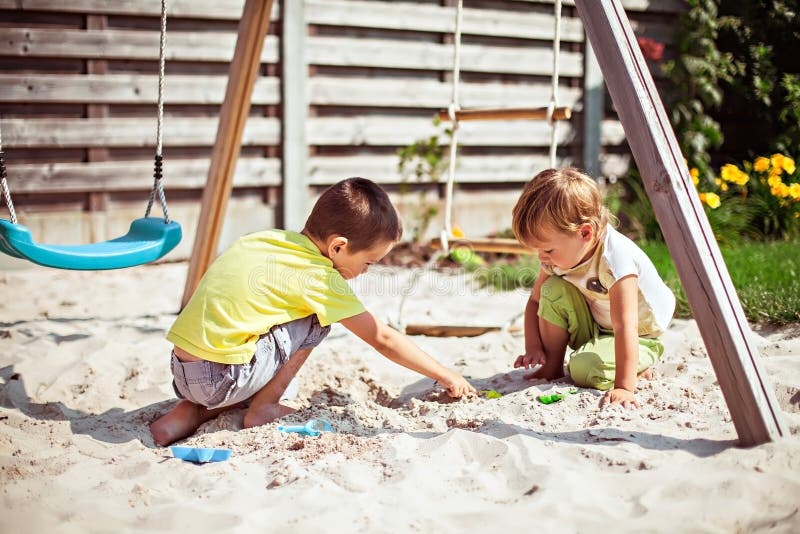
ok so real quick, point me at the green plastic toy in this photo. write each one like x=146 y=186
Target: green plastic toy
x=555 y=397
x=491 y=393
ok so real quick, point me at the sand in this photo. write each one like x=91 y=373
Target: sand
x=84 y=369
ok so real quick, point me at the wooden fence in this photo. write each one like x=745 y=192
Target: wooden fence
x=78 y=90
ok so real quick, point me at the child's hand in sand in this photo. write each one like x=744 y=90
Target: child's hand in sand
x=620 y=396
x=457 y=386
x=529 y=359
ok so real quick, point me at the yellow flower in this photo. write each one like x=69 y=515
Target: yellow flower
x=780 y=190
x=774 y=181
x=722 y=185
x=788 y=165
x=733 y=174
x=761 y=164
x=710 y=199
x=728 y=172
x=695 y=174
x=777 y=160
x=794 y=191
x=457 y=231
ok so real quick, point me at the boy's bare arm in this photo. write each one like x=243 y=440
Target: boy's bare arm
x=624 y=296
x=401 y=350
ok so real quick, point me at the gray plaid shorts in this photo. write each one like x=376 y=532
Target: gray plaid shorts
x=215 y=385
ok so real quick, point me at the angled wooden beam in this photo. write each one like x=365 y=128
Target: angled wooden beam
x=750 y=398
x=494 y=114
x=242 y=74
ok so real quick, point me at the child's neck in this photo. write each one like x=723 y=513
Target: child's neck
x=317 y=243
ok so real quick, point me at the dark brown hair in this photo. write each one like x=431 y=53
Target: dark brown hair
x=358 y=209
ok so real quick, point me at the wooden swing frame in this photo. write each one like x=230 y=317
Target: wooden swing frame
x=750 y=398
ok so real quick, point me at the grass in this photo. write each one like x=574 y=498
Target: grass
x=766 y=276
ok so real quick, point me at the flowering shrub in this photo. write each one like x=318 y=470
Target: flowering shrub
x=759 y=198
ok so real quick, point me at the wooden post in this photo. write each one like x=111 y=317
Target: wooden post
x=712 y=297
x=593 y=99
x=294 y=83
x=242 y=74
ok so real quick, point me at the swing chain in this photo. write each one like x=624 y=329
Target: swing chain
x=158 y=186
x=6 y=189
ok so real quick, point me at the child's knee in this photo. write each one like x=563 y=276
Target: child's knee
x=589 y=369
x=555 y=289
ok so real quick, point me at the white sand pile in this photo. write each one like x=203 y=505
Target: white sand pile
x=84 y=369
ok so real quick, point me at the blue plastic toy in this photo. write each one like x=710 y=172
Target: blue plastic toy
x=313 y=428
x=200 y=455
x=148 y=239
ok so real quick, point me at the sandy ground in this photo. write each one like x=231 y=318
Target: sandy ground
x=84 y=369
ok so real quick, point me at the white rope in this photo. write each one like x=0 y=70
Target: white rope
x=158 y=186
x=162 y=47
x=554 y=88
x=452 y=109
x=6 y=189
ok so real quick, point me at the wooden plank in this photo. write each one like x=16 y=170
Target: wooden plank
x=242 y=74
x=494 y=114
x=750 y=398
x=485 y=244
x=296 y=195
x=322 y=50
x=440 y=19
x=125 y=89
x=431 y=330
x=388 y=130
x=328 y=91
x=421 y=93
x=232 y=10
x=125 y=44
x=111 y=176
x=361 y=130
x=509 y=169
x=663 y=6
x=395 y=54
x=128 y=132
x=196 y=9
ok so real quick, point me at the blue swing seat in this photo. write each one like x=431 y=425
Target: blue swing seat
x=148 y=239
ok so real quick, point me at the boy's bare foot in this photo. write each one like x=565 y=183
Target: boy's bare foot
x=647 y=374
x=258 y=415
x=545 y=374
x=181 y=422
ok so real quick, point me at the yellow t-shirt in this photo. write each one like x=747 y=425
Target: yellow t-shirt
x=264 y=279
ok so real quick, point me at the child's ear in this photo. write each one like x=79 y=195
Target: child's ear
x=587 y=231
x=336 y=244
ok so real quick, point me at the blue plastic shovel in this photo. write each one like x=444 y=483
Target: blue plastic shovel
x=313 y=428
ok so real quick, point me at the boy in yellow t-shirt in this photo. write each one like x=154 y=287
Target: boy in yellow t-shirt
x=266 y=302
